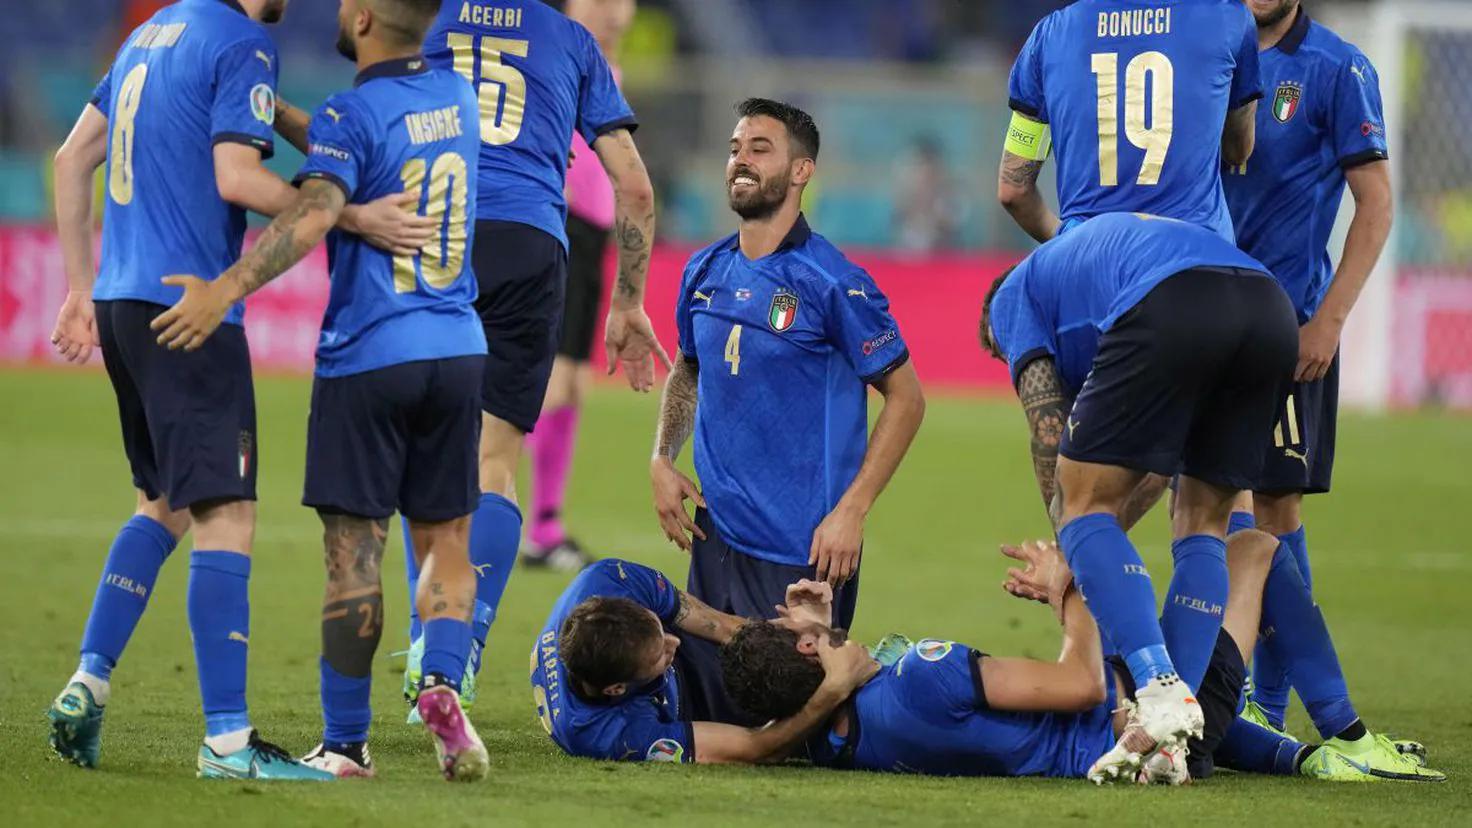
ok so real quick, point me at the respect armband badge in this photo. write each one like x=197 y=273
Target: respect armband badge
x=1028 y=139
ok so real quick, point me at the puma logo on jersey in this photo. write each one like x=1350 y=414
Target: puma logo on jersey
x=333 y=114
x=706 y=297
x=1358 y=72
x=858 y=292
x=263 y=58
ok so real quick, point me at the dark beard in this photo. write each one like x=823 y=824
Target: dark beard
x=273 y=13
x=1276 y=17
x=767 y=200
x=346 y=47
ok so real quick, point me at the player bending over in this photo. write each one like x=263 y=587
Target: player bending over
x=183 y=120
x=610 y=680
x=395 y=403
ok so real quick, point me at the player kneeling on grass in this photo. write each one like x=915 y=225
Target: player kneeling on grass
x=947 y=709
x=610 y=683
x=395 y=405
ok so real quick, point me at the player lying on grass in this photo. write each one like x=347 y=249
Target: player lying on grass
x=610 y=683
x=951 y=710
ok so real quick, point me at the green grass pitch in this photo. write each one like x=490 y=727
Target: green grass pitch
x=1392 y=569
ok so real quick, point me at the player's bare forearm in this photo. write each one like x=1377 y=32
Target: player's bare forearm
x=1046 y=407
x=677 y=409
x=244 y=181
x=74 y=168
x=1374 y=209
x=717 y=744
x=904 y=411
x=1017 y=190
x=1074 y=683
x=633 y=223
x=291 y=236
x=699 y=618
x=292 y=123
x=1239 y=134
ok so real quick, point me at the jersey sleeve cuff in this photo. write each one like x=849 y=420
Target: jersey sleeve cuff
x=1359 y=159
x=976 y=682
x=888 y=369
x=630 y=123
x=1247 y=99
x=1027 y=359
x=690 y=742
x=323 y=175
x=1026 y=109
x=266 y=146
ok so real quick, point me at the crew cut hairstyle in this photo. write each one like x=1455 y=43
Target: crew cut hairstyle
x=603 y=639
x=408 y=20
x=765 y=674
x=801 y=129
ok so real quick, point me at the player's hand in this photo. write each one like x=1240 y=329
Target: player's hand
x=75 y=334
x=629 y=340
x=837 y=544
x=808 y=601
x=1318 y=341
x=1045 y=578
x=671 y=490
x=194 y=317
x=393 y=223
x=846 y=666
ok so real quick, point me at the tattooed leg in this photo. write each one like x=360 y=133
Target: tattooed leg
x=352 y=609
x=446 y=578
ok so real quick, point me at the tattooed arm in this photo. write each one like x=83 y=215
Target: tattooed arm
x=1017 y=190
x=676 y=423
x=1046 y=407
x=289 y=238
x=698 y=618
x=629 y=337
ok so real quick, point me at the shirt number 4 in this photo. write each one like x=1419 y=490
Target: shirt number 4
x=733 y=350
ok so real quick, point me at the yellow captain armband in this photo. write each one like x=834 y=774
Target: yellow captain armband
x=1029 y=139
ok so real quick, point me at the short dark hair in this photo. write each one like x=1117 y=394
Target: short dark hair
x=603 y=639
x=801 y=129
x=765 y=674
x=408 y=20
x=987 y=342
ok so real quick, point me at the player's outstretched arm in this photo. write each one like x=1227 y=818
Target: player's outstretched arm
x=845 y=669
x=292 y=123
x=1017 y=179
x=839 y=538
x=289 y=238
x=1239 y=136
x=1046 y=406
x=699 y=618
x=75 y=334
x=676 y=423
x=629 y=337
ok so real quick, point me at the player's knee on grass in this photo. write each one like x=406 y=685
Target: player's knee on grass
x=224 y=525
x=1278 y=514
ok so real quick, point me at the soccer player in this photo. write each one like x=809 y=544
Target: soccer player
x=611 y=682
x=395 y=405
x=951 y=710
x=1142 y=101
x=780 y=339
x=539 y=77
x=590 y=218
x=1176 y=347
x=189 y=100
x=1323 y=128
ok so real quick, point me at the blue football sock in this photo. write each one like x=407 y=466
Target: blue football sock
x=1114 y=581
x=1248 y=747
x=346 y=706
x=495 y=534
x=1297 y=541
x=480 y=628
x=446 y=649
x=137 y=554
x=1194 y=605
x=1294 y=629
x=411 y=567
x=219 y=620
x=1241 y=520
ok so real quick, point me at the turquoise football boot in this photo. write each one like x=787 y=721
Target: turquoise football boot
x=76 y=725
x=890 y=649
x=259 y=760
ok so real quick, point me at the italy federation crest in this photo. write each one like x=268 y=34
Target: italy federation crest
x=784 y=310
x=1286 y=100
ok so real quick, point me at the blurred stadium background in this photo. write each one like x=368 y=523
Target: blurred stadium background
x=911 y=98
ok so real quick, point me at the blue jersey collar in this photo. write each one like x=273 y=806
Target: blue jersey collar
x=796 y=237
x=395 y=68
x=1296 y=33
x=235 y=4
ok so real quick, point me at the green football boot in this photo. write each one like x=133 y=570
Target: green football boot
x=76 y=726
x=1254 y=712
x=1371 y=758
x=414 y=674
x=259 y=760
x=890 y=649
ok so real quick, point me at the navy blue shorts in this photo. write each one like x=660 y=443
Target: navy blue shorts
x=1189 y=380
x=1300 y=457
x=188 y=418
x=405 y=439
x=522 y=273
x=736 y=583
x=586 y=243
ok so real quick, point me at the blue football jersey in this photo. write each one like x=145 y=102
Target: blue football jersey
x=641 y=725
x=927 y=714
x=1073 y=288
x=197 y=74
x=1137 y=93
x=402 y=127
x=787 y=346
x=539 y=76
x=1322 y=116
